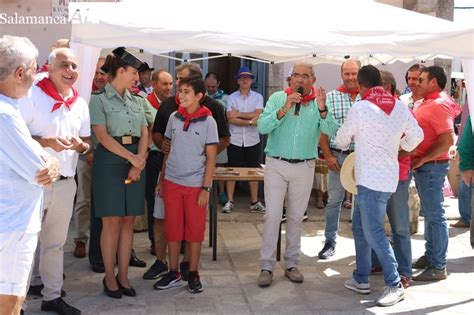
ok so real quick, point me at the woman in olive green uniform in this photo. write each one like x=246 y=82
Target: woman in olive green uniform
x=118 y=183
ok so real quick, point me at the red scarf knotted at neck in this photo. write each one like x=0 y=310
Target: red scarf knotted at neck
x=352 y=92
x=378 y=96
x=306 y=98
x=153 y=100
x=443 y=97
x=203 y=111
x=48 y=88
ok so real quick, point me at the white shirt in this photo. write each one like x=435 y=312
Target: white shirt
x=246 y=136
x=63 y=122
x=408 y=100
x=378 y=137
x=21 y=198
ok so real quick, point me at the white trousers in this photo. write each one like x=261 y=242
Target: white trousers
x=17 y=250
x=282 y=177
x=82 y=208
x=49 y=258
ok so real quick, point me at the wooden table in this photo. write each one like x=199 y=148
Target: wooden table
x=246 y=174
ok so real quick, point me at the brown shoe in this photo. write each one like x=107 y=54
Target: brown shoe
x=459 y=224
x=265 y=278
x=80 y=250
x=294 y=275
x=405 y=281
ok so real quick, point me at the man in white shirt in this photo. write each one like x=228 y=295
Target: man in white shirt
x=243 y=109
x=377 y=124
x=58 y=118
x=414 y=97
x=24 y=168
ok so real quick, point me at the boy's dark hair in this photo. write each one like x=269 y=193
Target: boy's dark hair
x=369 y=76
x=437 y=73
x=197 y=84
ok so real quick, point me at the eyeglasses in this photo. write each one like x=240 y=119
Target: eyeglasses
x=303 y=76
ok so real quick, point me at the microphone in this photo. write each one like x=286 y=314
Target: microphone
x=298 y=105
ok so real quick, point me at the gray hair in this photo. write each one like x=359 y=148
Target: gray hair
x=306 y=65
x=15 y=52
x=52 y=55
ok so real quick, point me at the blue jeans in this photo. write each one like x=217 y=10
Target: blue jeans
x=429 y=180
x=398 y=216
x=464 y=201
x=368 y=229
x=335 y=199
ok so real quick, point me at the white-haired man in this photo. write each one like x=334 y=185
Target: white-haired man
x=58 y=118
x=24 y=168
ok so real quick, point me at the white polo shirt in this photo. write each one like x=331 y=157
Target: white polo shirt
x=63 y=122
x=245 y=136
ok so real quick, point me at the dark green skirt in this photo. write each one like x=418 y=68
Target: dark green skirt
x=110 y=195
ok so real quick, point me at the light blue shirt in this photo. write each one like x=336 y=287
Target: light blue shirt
x=21 y=198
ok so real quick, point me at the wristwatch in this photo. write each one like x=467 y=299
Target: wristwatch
x=324 y=110
x=206 y=188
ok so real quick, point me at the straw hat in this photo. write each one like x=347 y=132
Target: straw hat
x=347 y=174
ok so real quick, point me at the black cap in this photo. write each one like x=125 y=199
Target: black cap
x=128 y=58
x=145 y=67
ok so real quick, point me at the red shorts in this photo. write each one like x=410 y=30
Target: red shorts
x=184 y=219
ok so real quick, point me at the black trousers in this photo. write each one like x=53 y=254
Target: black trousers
x=152 y=170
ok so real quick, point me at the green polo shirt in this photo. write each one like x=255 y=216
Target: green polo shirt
x=121 y=116
x=466 y=148
x=293 y=137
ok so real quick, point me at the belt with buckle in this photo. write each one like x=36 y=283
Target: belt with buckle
x=293 y=161
x=342 y=151
x=437 y=162
x=127 y=139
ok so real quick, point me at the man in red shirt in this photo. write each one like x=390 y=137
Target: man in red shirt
x=430 y=164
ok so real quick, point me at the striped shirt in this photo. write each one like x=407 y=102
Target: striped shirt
x=338 y=104
x=293 y=137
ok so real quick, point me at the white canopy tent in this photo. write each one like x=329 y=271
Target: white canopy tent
x=316 y=31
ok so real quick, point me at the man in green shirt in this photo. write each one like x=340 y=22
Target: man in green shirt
x=466 y=165
x=293 y=120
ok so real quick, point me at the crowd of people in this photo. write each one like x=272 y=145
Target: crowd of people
x=137 y=148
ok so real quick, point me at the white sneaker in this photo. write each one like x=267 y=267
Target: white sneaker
x=362 y=288
x=391 y=296
x=257 y=208
x=228 y=207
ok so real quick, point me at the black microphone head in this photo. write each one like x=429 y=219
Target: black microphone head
x=300 y=90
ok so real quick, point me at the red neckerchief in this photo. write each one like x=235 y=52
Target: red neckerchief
x=48 y=88
x=352 y=93
x=443 y=97
x=203 y=111
x=306 y=98
x=153 y=100
x=378 y=96
x=43 y=68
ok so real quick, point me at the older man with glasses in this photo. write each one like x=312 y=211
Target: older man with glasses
x=293 y=120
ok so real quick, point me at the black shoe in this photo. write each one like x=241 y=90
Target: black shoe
x=184 y=270
x=135 y=262
x=98 y=268
x=421 y=263
x=156 y=270
x=194 y=283
x=169 y=280
x=59 y=306
x=126 y=291
x=35 y=290
x=116 y=294
x=327 y=251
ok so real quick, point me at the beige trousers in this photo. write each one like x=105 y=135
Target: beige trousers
x=280 y=177
x=82 y=208
x=49 y=259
